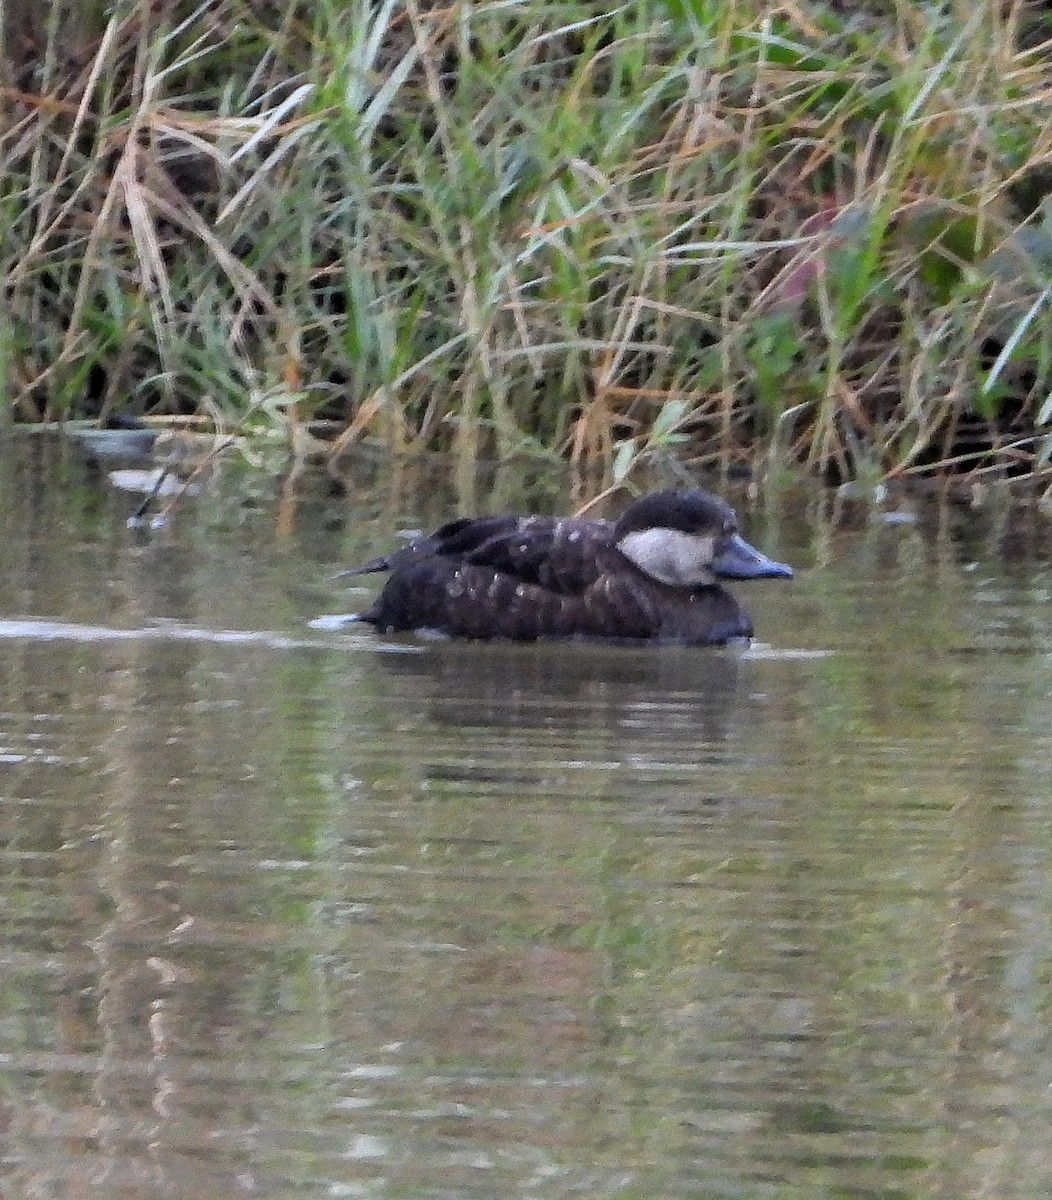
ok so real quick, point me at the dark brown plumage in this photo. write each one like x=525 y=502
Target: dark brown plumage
x=651 y=577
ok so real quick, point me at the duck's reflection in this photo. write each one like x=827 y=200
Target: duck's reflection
x=643 y=695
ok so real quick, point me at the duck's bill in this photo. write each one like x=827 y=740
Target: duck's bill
x=739 y=560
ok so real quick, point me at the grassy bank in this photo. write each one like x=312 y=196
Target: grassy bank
x=815 y=234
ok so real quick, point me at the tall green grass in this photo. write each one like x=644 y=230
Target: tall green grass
x=718 y=230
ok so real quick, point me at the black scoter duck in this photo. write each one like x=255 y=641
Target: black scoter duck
x=651 y=576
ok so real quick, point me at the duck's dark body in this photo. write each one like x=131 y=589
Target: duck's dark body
x=526 y=578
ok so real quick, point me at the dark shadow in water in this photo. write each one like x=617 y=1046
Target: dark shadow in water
x=637 y=692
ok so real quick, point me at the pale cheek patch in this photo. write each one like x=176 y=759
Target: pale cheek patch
x=671 y=556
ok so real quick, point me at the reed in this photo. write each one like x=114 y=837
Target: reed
x=715 y=230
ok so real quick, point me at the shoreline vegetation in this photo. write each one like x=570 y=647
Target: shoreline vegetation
x=809 y=236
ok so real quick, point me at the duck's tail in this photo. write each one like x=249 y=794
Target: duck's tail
x=455 y=538
x=372 y=567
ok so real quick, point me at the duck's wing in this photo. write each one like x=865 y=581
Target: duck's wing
x=565 y=556
x=455 y=539
x=472 y=599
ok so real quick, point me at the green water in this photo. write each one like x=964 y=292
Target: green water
x=289 y=913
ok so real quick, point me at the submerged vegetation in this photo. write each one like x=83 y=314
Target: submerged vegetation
x=816 y=233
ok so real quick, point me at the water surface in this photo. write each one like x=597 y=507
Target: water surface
x=295 y=913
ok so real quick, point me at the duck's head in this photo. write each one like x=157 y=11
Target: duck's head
x=688 y=538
